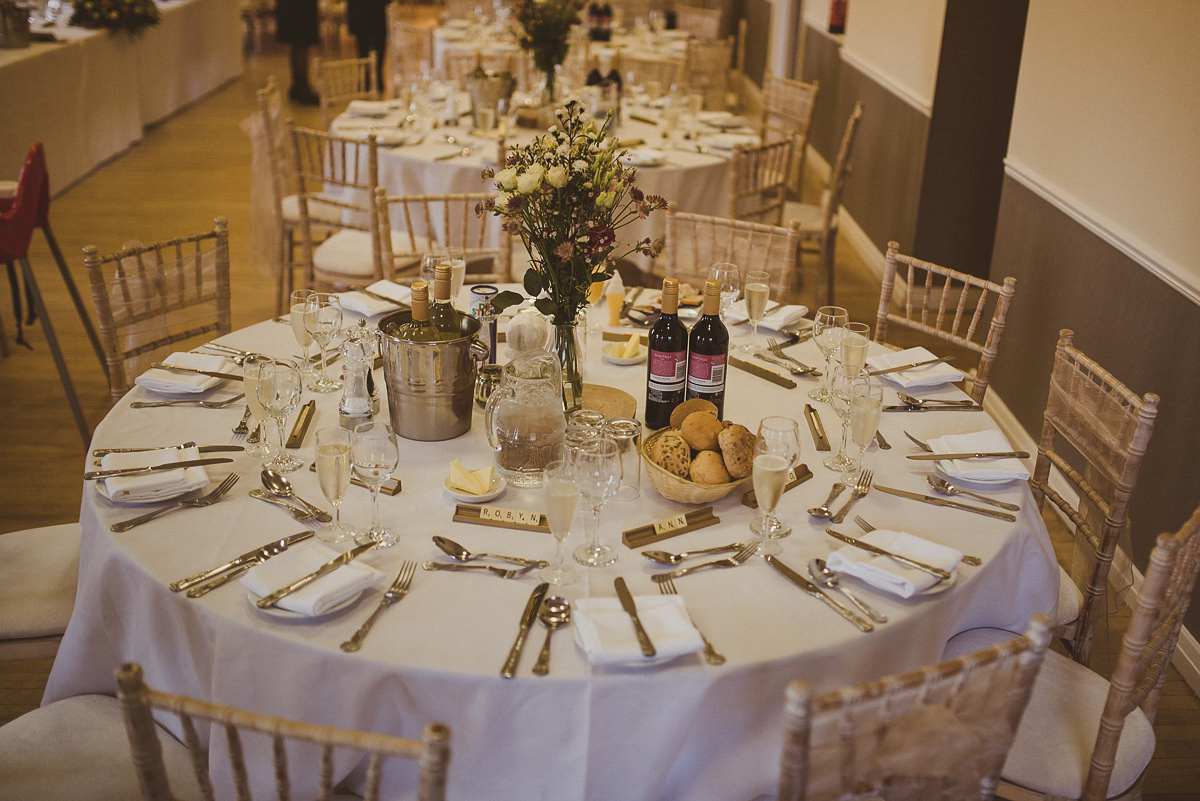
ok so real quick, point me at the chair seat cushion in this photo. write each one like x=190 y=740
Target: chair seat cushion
x=317 y=211
x=77 y=748
x=1070 y=599
x=39 y=568
x=808 y=216
x=348 y=254
x=1053 y=747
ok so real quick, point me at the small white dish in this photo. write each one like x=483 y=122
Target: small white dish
x=608 y=350
x=498 y=486
x=296 y=617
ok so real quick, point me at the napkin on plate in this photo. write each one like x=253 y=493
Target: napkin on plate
x=886 y=573
x=321 y=595
x=722 y=119
x=727 y=141
x=979 y=469
x=783 y=317
x=159 y=380
x=160 y=484
x=371 y=108
x=367 y=306
x=645 y=157
x=605 y=632
x=389 y=137
x=929 y=376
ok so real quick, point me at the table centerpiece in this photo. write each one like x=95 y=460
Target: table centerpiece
x=116 y=15
x=544 y=29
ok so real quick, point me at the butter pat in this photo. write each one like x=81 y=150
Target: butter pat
x=484 y=476
x=476 y=482
x=630 y=349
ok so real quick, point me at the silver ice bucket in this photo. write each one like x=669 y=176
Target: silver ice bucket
x=491 y=91
x=430 y=385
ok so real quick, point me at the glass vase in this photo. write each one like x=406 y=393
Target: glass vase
x=568 y=347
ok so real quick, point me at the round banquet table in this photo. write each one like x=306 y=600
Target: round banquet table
x=680 y=730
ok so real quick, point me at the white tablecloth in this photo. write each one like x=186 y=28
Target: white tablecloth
x=88 y=97
x=684 y=730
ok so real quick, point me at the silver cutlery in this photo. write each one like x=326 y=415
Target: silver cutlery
x=733 y=561
x=912 y=400
x=154 y=468
x=175 y=368
x=861 y=487
x=509 y=669
x=966 y=507
x=944 y=487
x=815 y=591
x=554 y=612
x=776 y=347
x=905 y=407
x=938 y=457
x=278 y=485
x=910 y=366
x=243 y=425
x=627 y=603
x=394 y=593
x=823 y=510
x=823 y=575
x=204 y=500
x=461 y=554
x=875 y=549
x=668 y=558
x=207 y=404
x=255 y=435
x=304 y=581
x=248 y=559
x=502 y=572
x=711 y=655
x=758 y=354
x=303 y=515
x=217 y=346
x=883 y=443
x=967 y=559
x=180 y=446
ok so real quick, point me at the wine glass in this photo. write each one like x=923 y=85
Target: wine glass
x=333 y=474
x=298 y=300
x=757 y=291
x=323 y=321
x=598 y=475
x=841 y=383
x=855 y=339
x=562 y=499
x=251 y=368
x=866 y=405
x=453 y=256
x=374 y=453
x=827 y=333
x=730 y=278
x=776 y=451
x=278 y=390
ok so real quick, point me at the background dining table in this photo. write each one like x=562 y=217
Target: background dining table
x=680 y=730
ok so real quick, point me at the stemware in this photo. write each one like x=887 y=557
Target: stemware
x=627 y=433
x=776 y=451
x=827 y=333
x=562 y=499
x=453 y=256
x=856 y=338
x=374 y=454
x=598 y=475
x=298 y=301
x=730 y=278
x=757 y=291
x=323 y=321
x=866 y=405
x=251 y=367
x=840 y=385
x=278 y=390
x=333 y=474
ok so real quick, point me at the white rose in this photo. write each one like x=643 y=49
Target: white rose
x=507 y=178
x=531 y=179
x=557 y=177
x=579 y=165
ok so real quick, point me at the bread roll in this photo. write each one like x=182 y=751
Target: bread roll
x=670 y=452
x=700 y=429
x=680 y=412
x=737 y=450
x=708 y=468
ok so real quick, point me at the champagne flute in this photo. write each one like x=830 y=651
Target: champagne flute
x=333 y=474
x=562 y=499
x=757 y=291
x=251 y=368
x=298 y=300
x=730 y=278
x=776 y=451
x=323 y=321
x=827 y=333
x=841 y=383
x=374 y=453
x=278 y=390
x=866 y=405
x=855 y=339
x=458 y=271
x=598 y=475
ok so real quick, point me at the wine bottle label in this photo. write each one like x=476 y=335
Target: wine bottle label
x=668 y=370
x=706 y=372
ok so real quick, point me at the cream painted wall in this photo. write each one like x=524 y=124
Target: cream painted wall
x=897 y=44
x=1107 y=119
x=816 y=13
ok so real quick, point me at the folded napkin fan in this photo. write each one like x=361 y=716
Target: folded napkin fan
x=605 y=632
x=989 y=441
x=367 y=306
x=151 y=486
x=320 y=596
x=929 y=376
x=158 y=380
x=783 y=317
x=886 y=573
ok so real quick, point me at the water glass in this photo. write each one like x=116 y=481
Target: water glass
x=298 y=300
x=757 y=292
x=776 y=451
x=458 y=271
x=278 y=389
x=729 y=277
x=333 y=474
x=627 y=433
x=828 y=323
x=251 y=368
x=841 y=384
x=856 y=338
x=323 y=321
x=562 y=500
x=598 y=475
x=374 y=454
x=866 y=405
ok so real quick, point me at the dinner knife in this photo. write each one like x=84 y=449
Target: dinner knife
x=296 y=438
x=875 y=549
x=527 y=617
x=966 y=507
x=383 y=298
x=816 y=428
x=184 y=446
x=631 y=609
x=937 y=457
x=176 y=368
x=911 y=366
x=249 y=557
x=301 y=583
x=907 y=408
x=130 y=471
x=762 y=372
x=815 y=592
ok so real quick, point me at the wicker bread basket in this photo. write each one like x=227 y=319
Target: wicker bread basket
x=674 y=488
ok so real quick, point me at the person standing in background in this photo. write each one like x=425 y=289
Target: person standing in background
x=297 y=24
x=367 y=22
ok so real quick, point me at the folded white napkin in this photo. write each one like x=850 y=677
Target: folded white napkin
x=722 y=119
x=727 y=141
x=388 y=137
x=159 y=380
x=321 y=595
x=645 y=157
x=371 y=108
x=783 y=317
x=929 y=376
x=368 y=306
x=885 y=572
x=160 y=484
x=605 y=632
x=979 y=469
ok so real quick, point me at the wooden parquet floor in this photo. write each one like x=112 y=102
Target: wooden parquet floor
x=186 y=171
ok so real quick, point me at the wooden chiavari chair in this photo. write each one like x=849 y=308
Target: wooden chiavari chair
x=701 y=23
x=706 y=70
x=425 y=222
x=787 y=112
x=664 y=72
x=758 y=181
x=339 y=82
x=409 y=49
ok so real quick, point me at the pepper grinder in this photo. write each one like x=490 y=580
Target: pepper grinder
x=359 y=401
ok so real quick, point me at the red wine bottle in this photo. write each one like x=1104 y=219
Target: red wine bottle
x=666 y=371
x=707 y=350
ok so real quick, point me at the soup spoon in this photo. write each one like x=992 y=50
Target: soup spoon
x=555 y=612
x=821 y=574
x=277 y=484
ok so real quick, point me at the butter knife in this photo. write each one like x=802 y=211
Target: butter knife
x=131 y=471
x=631 y=609
x=815 y=592
x=875 y=549
x=815 y=428
x=931 y=457
x=903 y=367
x=301 y=583
x=907 y=408
x=296 y=438
x=184 y=446
x=176 y=368
x=249 y=557
x=966 y=507
x=762 y=372
x=527 y=617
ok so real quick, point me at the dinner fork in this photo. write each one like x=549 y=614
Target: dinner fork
x=502 y=572
x=776 y=347
x=967 y=558
x=861 y=488
x=242 y=428
x=208 y=404
x=711 y=655
x=785 y=365
x=204 y=500
x=394 y=593
x=732 y=561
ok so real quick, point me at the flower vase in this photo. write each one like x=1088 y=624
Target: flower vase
x=548 y=88
x=568 y=347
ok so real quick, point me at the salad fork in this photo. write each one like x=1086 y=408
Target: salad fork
x=733 y=561
x=204 y=500
x=394 y=593
x=208 y=404
x=711 y=655
x=776 y=347
x=502 y=572
x=967 y=559
x=861 y=488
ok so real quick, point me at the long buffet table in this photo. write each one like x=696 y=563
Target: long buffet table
x=88 y=97
x=681 y=730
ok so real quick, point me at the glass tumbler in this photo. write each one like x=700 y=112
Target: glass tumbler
x=627 y=433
